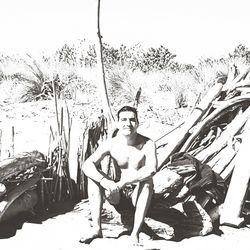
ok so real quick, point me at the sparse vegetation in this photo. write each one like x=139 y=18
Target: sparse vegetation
x=165 y=83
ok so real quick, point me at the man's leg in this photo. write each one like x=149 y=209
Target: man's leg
x=95 y=194
x=141 y=199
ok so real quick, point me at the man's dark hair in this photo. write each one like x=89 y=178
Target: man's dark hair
x=127 y=108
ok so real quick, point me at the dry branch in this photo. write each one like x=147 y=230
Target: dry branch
x=220 y=111
x=0 y=144
x=214 y=138
x=222 y=159
x=20 y=163
x=231 y=213
x=61 y=186
x=13 y=141
x=226 y=173
x=183 y=132
x=100 y=65
x=232 y=129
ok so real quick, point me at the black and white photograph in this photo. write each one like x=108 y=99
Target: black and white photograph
x=124 y=124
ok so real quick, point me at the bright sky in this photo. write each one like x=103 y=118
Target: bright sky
x=191 y=29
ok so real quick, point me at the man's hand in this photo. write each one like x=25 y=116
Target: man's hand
x=122 y=183
x=111 y=190
x=110 y=186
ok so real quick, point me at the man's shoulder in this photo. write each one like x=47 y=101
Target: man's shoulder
x=142 y=139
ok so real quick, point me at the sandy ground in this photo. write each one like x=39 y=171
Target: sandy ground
x=31 y=123
x=62 y=232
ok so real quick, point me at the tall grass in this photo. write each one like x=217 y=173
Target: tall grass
x=167 y=86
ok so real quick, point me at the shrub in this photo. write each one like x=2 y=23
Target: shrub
x=241 y=52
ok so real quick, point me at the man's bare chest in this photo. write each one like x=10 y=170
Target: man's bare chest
x=127 y=157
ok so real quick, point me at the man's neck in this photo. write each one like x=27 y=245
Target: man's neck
x=129 y=140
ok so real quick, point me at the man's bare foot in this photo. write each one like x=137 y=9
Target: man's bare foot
x=90 y=237
x=134 y=240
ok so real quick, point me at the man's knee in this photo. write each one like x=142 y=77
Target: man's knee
x=94 y=188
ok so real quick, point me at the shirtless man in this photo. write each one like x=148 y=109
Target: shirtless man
x=135 y=157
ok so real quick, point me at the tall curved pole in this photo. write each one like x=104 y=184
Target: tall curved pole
x=101 y=71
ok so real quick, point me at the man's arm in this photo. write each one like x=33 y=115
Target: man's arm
x=89 y=167
x=146 y=171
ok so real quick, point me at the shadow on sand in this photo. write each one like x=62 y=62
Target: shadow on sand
x=9 y=227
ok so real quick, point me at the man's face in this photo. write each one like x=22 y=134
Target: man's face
x=127 y=123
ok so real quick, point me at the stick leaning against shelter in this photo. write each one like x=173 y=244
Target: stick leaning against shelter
x=214 y=139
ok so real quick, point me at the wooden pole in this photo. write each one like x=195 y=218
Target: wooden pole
x=56 y=108
x=100 y=66
x=225 y=137
x=232 y=208
x=224 y=107
x=183 y=132
x=13 y=140
x=0 y=144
